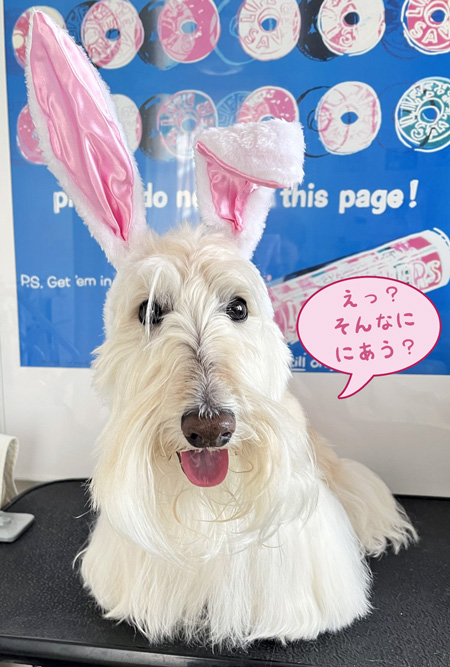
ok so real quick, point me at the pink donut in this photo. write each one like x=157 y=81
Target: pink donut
x=20 y=31
x=112 y=33
x=27 y=140
x=348 y=117
x=189 y=29
x=268 y=102
x=351 y=27
x=258 y=38
x=130 y=119
x=426 y=25
x=180 y=117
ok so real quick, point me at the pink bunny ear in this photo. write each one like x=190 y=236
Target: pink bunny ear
x=81 y=138
x=237 y=170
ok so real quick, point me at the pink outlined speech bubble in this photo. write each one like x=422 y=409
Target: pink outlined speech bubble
x=368 y=326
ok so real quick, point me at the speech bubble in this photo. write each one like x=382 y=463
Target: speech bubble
x=368 y=326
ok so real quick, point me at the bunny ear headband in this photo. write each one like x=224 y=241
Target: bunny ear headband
x=84 y=146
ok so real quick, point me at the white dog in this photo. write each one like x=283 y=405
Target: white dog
x=220 y=509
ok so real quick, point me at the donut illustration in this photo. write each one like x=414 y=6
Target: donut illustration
x=426 y=25
x=266 y=103
x=229 y=107
x=27 y=141
x=112 y=33
x=189 y=29
x=74 y=19
x=348 y=117
x=130 y=119
x=151 y=51
x=422 y=116
x=20 y=30
x=180 y=117
x=269 y=29
x=351 y=27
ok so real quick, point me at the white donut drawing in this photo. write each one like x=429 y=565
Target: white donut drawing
x=348 y=117
x=351 y=27
x=112 y=33
x=269 y=29
x=268 y=102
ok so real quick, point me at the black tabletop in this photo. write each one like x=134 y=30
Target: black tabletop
x=46 y=618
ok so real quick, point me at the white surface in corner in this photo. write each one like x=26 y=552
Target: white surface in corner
x=398 y=425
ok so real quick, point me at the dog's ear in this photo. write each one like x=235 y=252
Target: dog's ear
x=238 y=168
x=81 y=138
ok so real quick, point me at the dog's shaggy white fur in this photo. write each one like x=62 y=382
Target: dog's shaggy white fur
x=277 y=549
x=273 y=551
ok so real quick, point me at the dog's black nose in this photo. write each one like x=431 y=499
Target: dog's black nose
x=208 y=431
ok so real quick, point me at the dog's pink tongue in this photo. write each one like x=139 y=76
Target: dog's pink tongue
x=206 y=467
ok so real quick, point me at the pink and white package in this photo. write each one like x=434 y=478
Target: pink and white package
x=421 y=260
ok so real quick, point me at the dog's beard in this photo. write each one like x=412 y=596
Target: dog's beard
x=141 y=486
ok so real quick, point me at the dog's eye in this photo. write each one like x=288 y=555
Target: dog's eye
x=237 y=309
x=156 y=313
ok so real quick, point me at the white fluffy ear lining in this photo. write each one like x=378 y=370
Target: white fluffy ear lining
x=81 y=139
x=237 y=170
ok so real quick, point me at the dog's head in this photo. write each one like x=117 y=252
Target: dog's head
x=194 y=366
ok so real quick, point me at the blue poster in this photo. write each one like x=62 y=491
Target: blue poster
x=368 y=80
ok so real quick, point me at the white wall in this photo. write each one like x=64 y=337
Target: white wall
x=399 y=425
